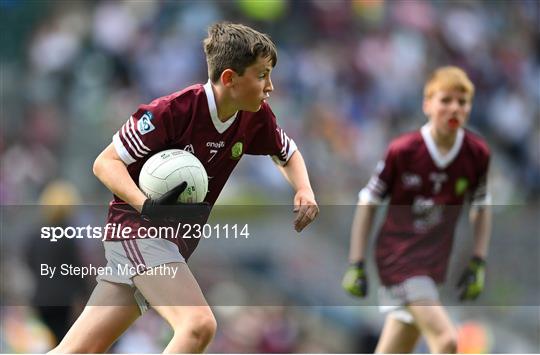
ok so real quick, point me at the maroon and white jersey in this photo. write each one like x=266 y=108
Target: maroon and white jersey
x=188 y=120
x=426 y=192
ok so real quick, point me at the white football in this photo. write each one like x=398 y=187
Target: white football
x=169 y=168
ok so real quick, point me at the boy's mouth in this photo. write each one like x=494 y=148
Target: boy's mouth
x=453 y=123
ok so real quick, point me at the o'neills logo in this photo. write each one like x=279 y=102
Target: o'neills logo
x=215 y=145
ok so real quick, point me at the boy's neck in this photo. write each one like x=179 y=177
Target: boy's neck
x=443 y=142
x=225 y=108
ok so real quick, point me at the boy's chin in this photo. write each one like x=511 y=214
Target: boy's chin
x=253 y=109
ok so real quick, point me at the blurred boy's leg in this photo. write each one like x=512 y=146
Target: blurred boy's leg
x=110 y=310
x=434 y=323
x=180 y=301
x=397 y=337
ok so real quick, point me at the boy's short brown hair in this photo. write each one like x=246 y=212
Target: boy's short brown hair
x=449 y=78
x=236 y=47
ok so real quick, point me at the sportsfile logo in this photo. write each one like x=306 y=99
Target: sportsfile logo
x=114 y=231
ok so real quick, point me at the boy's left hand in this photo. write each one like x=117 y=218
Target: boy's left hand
x=306 y=209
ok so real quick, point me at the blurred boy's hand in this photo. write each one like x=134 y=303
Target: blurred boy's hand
x=471 y=282
x=355 y=280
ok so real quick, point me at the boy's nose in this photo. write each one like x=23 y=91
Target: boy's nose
x=269 y=87
x=455 y=106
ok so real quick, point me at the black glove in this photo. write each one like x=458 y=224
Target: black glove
x=355 y=280
x=471 y=282
x=168 y=208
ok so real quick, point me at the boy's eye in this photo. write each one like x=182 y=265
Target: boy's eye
x=445 y=100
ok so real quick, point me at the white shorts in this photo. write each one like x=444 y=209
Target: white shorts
x=394 y=299
x=127 y=258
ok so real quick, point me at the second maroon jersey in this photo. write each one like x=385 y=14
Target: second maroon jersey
x=188 y=120
x=426 y=191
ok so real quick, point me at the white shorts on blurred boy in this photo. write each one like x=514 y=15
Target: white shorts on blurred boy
x=394 y=299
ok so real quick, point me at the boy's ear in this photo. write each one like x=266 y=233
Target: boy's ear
x=425 y=106
x=227 y=77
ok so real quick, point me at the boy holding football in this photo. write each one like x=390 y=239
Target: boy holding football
x=427 y=175
x=231 y=111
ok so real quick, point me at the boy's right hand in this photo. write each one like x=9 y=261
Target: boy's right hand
x=168 y=208
x=355 y=280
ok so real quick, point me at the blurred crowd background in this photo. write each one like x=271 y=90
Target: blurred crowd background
x=349 y=78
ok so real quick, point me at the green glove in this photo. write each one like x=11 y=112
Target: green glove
x=355 y=280
x=472 y=280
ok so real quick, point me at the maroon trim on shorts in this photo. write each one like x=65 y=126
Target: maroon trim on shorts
x=128 y=253
x=138 y=251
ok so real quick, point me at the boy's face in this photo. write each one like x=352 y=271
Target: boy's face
x=448 y=110
x=252 y=88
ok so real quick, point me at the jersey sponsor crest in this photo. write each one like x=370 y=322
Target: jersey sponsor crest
x=427 y=214
x=145 y=123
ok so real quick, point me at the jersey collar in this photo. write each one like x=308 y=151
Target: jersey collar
x=441 y=161
x=220 y=126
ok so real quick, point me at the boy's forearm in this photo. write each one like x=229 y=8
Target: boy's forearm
x=360 y=230
x=481 y=218
x=114 y=175
x=295 y=172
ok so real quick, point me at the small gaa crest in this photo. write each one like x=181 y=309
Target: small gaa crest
x=237 y=150
x=461 y=186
